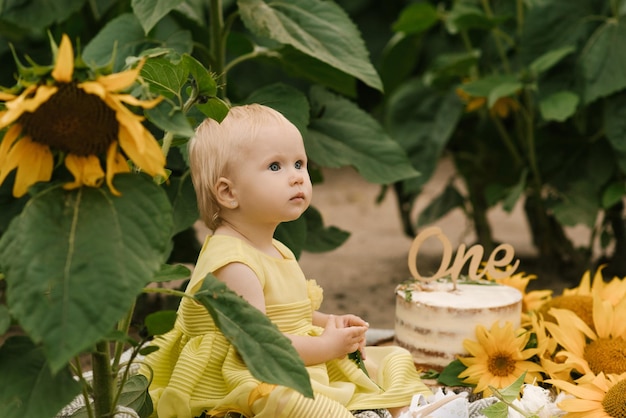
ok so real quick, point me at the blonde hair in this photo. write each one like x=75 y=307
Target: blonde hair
x=216 y=144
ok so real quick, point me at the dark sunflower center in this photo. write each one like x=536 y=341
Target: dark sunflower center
x=581 y=305
x=501 y=364
x=72 y=121
x=614 y=402
x=606 y=355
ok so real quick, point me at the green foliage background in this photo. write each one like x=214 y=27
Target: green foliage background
x=370 y=84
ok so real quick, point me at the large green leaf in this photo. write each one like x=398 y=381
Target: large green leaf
x=149 y=12
x=554 y=24
x=320 y=238
x=122 y=35
x=268 y=354
x=29 y=389
x=184 y=204
x=416 y=18
x=317 y=28
x=38 y=14
x=301 y=65
x=76 y=260
x=422 y=119
x=603 y=61
x=289 y=101
x=615 y=126
x=341 y=134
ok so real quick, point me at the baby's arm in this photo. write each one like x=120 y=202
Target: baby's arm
x=342 y=334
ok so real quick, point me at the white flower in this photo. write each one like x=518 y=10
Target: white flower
x=536 y=402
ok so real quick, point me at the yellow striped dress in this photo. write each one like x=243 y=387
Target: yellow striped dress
x=197 y=370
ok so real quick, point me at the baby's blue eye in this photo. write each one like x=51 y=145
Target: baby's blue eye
x=274 y=167
x=298 y=165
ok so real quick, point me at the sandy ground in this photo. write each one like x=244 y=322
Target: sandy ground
x=360 y=276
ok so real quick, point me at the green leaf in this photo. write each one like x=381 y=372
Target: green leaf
x=160 y=322
x=317 y=28
x=184 y=204
x=449 y=199
x=340 y=134
x=603 y=61
x=76 y=260
x=449 y=376
x=267 y=353
x=556 y=24
x=205 y=83
x=299 y=64
x=170 y=118
x=293 y=234
x=550 y=59
x=416 y=18
x=169 y=273
x=289 y=101
x=149 y=12
x=214 y=108
x=496 y=85
x=613 y=194
x=122 y=35
x=559 y=106
x=135 y=395
x=505 y=89
x=615 y=126
x=496 y=410
x=319 y=238
x=464 y=16
x=422 y=120
x=38 y=14
x=165 y=76
x=29 y=389
x=511 y=392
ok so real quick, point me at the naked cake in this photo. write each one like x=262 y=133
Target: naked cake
x=432 y=321
x=434 y=315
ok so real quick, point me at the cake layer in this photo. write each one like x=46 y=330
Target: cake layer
x=432 y=323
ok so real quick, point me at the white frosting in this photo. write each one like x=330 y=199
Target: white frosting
x=434 y=323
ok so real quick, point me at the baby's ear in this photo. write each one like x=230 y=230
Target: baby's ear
x=224 y=192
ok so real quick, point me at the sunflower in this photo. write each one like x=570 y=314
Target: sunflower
x=613 y=291
x=81 y=122
x=585 y=350
x=499 y=357
x=595 y=396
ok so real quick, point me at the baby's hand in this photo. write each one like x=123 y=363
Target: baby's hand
x=340 y=339
x=350 y=320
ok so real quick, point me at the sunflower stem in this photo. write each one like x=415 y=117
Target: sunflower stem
x=102 y=381
x=218 y=45
x=167 y=143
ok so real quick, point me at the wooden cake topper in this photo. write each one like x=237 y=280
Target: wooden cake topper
x=474 y=255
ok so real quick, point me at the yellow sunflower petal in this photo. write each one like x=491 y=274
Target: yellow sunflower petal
x=116 y=163
x=64 y=67
x=144 y=151
x=6 y=96
x=34 y=163
x=133 y=101
x=120 y=81
x=603 y=317
x=588 y=392
x=11 y=135
x=86 y=171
